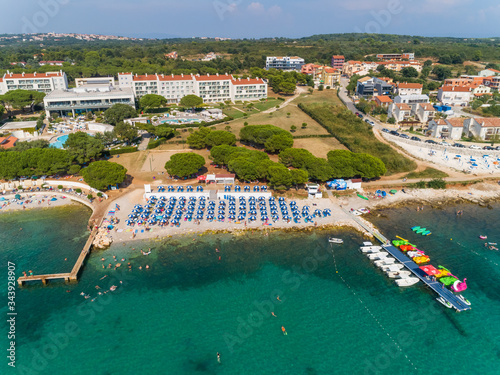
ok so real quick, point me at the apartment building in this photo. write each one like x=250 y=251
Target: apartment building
x=42 y=82
x=338 y=61
x=446 y=128
x=284 y=63
x=405 y=88
x=484 y=128
x=79 y=82
x=425 y=112
x=211 y=88
x=87 y=98
x=455 y=95
x=396 y=56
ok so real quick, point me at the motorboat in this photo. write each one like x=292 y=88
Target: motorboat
x=407 y=281
x=335 y=240
x=392 y=267
x=398 y=274
x=370 y=249
x=463 y=299
x=384 y=262
x=379 y=255
x=442 y=301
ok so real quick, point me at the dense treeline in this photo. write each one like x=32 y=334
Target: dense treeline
x=356 y=135
x=102 y=58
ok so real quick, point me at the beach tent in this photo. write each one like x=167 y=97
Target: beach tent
x=17 y=196
x=53 y=199
x=429 y=269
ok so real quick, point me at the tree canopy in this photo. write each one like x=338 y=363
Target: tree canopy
x=348 y=164
x=34 y=161
x=23 y=146
x=184 y=164
x=152 y=101
x=103 y=173
x=191 y=101
x=206 y=137
x=278 y=142
x=119 y=112
x=19 y=99
x=260 y=134
x=125 y=131
x=83 y=147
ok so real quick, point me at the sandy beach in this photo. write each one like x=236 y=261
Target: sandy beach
x=31 y=201
x=480 y=193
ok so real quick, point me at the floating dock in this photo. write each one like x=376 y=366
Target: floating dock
x=413 y=267
x=67 y=277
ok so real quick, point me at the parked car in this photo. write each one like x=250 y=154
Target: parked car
x=474 y=147
x=431 y=142
x=415 y=139
x=405 y=136
x=497 y=148
x=367 y=120
x=444 y=143
x=488 y=148
x=458 y=145
x=394 y=132
x=385 y=130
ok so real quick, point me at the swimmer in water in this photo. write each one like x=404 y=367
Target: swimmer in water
x=284 y=330
x=218 y=357
x=278 y=298
x=272 y=313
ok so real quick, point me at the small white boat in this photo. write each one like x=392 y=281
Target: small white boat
x=370 y=249
x=398 y=274
x=442 y=301
x=356 y=213
x=364 y=210
x=335 y=240
x=367 y=243
x=379 y=255
x=384 y=262
x=392 y=267
x=407 y=281
x=463 y=299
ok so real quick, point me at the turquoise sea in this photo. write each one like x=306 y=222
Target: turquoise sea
x=341 y=315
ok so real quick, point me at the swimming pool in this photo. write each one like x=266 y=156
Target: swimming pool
x=59 y=142
x=180 y=121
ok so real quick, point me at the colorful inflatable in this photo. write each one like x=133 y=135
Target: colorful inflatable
x=422 y=259
x=447 y=280
x=459 y=286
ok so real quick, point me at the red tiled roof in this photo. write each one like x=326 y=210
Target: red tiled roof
x=32 y=75
x=185 y=77
x=493 y=122
x=225 y=175
x=406 y=85
x=247 y=81
x=148 y=77
x=338 y=56
x=456 y=122
x=403 y=106
x=383 y=99
x=455 y=88
x=427 y=107
x=208 y=77
x=440 y=122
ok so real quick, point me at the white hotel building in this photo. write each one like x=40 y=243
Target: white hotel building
x=42 y=82
x=211 y=88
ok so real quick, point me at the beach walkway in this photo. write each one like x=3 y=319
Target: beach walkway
x=67 y=277
x=436 y=286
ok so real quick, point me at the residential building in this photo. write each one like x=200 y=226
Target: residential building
x=42 y=82
x=309 y=69
x=425 y=112
x=484 y=128
x=365 y=87
x=172 y=55
x=327 y=76
x=454 y=95
x=8 y=142
x=383 y=101
x=338 y=62
x=51 y=63
x=211 y=88
x=396 y=56
x=209 y=57
x=405 y=88
x=397 y=66
x=400 y=111
x=383 y=86
x=481 y=90
x=361 y=68
x=79 y=82
x=489 y=72
x=446 y=129
x=3 y=89
x=412 y=100
x=493 y=82
x=285 y=63
x=87 y=98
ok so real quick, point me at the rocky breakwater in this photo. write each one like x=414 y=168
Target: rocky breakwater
x=102 y=239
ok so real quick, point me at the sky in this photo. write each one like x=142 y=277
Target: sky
x=250 y=18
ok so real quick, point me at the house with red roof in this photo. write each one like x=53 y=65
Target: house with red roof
x=455 y=95
x=484 y=128
x=8 y=142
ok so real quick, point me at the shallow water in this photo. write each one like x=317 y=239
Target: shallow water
x=341 y=314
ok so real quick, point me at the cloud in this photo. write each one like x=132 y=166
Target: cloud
x=258 y=8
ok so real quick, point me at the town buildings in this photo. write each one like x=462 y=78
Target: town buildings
x=396 y=56
x=455 y=95
x=338 y=62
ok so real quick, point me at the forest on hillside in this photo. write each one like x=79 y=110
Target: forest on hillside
x=103 y=58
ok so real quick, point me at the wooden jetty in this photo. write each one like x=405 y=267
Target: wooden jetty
x=67 y=277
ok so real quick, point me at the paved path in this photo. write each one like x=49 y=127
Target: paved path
x=144 y=142
x=300 y=90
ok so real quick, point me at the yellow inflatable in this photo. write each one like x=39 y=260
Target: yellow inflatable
x=421 y=260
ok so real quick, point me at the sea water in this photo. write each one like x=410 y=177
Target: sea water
x=203 y=295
